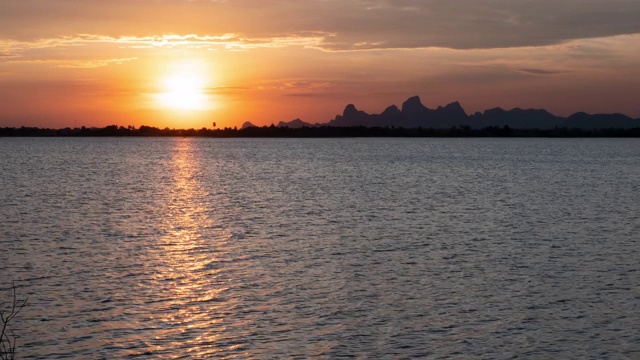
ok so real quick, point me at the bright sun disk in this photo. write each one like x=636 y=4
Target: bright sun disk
x=184 y=90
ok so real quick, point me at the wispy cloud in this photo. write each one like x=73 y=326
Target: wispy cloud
x=539 y=71
x=89 y=64
x=223 y=90
x=306 y=85
x=73 y=63
x=225 y=41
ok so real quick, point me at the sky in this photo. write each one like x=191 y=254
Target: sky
x=189 y=63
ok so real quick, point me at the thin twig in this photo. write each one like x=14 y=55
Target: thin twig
x=7 y=343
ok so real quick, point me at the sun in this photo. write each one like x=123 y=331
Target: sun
x=184 y=92
x=185 y=88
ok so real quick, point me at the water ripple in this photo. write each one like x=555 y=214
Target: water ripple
x=366 y=248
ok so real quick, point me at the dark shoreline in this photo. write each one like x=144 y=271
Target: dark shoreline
x=318 y=132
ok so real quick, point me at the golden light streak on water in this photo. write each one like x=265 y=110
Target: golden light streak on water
x=189 y=269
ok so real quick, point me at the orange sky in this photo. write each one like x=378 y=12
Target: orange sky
x=188 y=63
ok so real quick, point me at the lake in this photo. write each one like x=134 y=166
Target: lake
x=366 y=248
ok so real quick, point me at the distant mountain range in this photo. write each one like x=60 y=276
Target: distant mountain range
x=415 y=115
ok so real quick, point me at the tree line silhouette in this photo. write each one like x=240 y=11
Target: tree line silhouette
x=315 y=132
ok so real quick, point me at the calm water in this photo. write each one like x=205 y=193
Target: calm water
x=396 y=248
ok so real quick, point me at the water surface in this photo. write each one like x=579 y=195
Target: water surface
x=270 y=248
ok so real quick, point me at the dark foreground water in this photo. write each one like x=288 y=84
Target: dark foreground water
x=396 y=248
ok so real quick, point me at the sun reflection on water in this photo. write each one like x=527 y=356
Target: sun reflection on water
x=191 y=278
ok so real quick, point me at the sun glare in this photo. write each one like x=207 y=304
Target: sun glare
x=184 y=88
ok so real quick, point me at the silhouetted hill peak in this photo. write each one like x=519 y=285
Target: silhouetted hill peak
x=294 y=124
x=413 y=104
x=351 y=111
x=351 y=116
x=454 y=106
x=453 y=109
x=494 y=111
x=391 y=110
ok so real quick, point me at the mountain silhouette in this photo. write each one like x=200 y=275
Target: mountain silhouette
x=414 y=114
x=248 y=124
x=353 y=117
x=599 y=121
x=294 y=124
x=516 y=118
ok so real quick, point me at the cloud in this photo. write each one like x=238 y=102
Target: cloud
x=538 y=71
x=227 y=90
x=306 y=85
x=67 y=63
x=334 y=25
x=293 y=88
x=469 y=24
x=306 y=88
x=90 y=64
x=225 y=41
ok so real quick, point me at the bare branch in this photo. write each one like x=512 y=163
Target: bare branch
x=7 y=342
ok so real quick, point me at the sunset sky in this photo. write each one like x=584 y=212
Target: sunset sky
x=187 y=63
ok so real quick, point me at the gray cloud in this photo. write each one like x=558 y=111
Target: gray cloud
x=355 y=24
x=466 y=24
